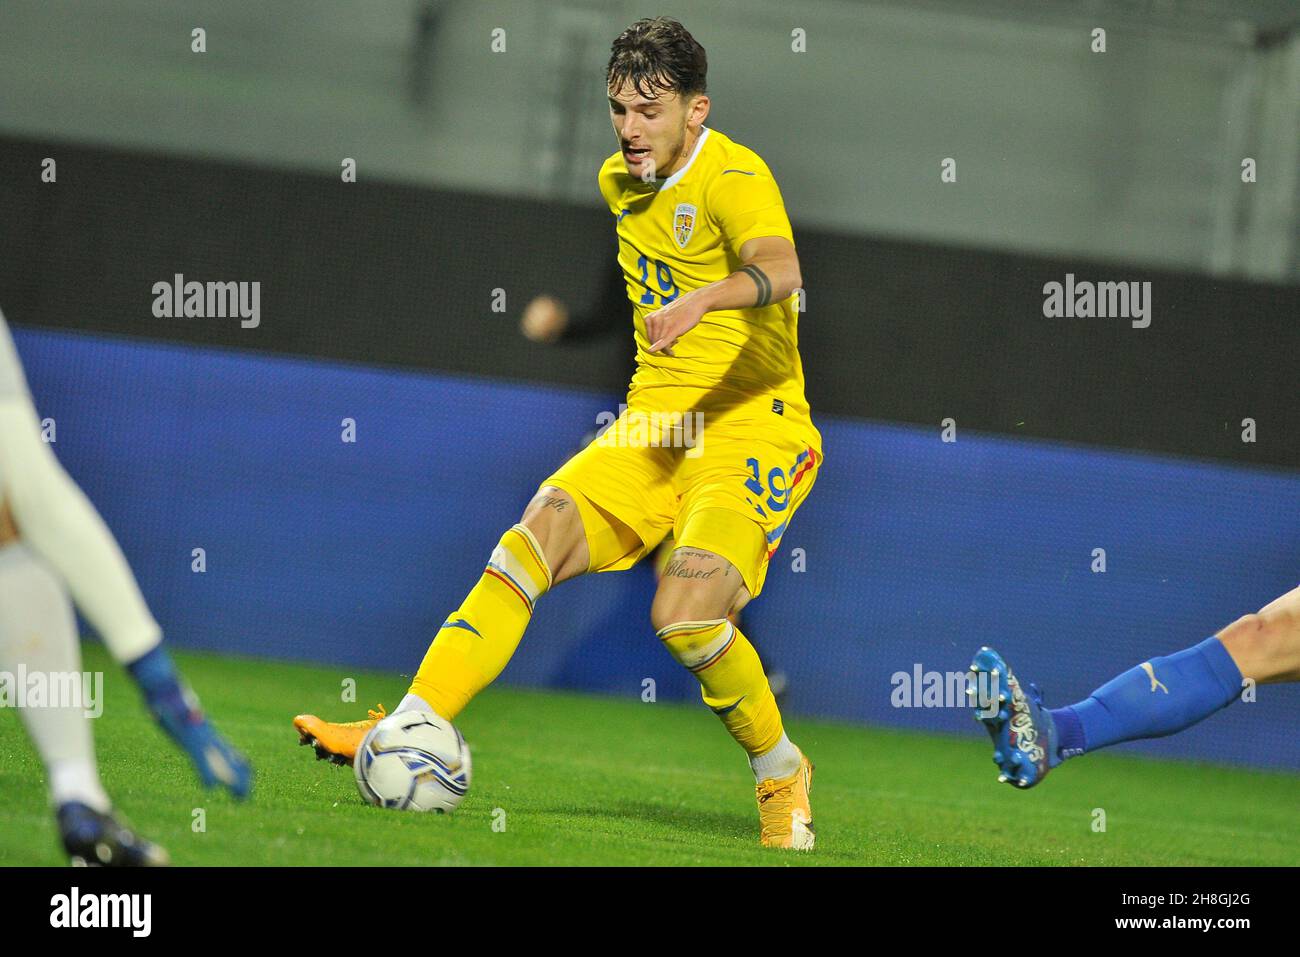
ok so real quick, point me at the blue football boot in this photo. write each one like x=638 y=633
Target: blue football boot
x=1023 y=732
x=217 y=761
x=92 y=839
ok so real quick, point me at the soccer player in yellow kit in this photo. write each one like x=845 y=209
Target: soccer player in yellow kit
x=715 y=446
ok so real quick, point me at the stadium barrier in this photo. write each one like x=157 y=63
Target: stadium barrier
x=342 y=511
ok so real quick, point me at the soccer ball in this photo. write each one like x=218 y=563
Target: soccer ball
x=413 y=761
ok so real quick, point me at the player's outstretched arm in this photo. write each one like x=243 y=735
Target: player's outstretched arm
x=770 y=273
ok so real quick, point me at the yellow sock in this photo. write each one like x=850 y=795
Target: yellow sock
x=478 y=639
x=731 y=677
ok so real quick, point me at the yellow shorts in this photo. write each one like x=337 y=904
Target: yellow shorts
x=730 y=489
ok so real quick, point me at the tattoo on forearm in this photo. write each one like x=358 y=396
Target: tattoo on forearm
x=552 y=501
x=761 y=281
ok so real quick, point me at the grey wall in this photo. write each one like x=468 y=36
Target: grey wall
x=1130 y=155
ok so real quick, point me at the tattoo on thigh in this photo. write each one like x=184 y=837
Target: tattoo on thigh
x=678 y=567
x=692 y=553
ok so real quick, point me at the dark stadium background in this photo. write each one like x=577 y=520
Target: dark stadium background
x=1072 y=434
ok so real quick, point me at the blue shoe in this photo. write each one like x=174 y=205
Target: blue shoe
x=92 y=839
x=1023 y=732
x=215 y=758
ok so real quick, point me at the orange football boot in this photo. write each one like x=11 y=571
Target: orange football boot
x=336 y=741
x=784 y=812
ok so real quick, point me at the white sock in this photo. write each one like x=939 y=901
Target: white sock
x=78 y=780
x=38 y=637
x=58 y=523
x=413 y=702
x=780 y=762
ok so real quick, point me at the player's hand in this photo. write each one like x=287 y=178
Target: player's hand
x=544 y=319
x=665 y=326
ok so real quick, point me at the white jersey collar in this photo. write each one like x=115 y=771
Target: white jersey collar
x=699 y=145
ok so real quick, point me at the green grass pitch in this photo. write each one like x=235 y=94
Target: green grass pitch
x=594 y=780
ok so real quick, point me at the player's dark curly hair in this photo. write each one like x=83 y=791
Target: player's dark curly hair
x=658 y=55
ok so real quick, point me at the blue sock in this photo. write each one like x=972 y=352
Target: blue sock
x=1178 y=691
x=163 y=691
x=177 y=709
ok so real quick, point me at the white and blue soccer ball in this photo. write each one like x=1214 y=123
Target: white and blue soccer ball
x=413 y=761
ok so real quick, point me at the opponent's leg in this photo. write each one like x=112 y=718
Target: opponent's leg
x=58 y=523
x=697 y=592
x=1159 y=697
x=1266 y=645
x=38 y=638
x=38 y=635
x=548 y=545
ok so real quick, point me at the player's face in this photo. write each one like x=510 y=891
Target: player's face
x=651 y=132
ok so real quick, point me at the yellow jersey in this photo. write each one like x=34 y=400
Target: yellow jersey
x=684 y=232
